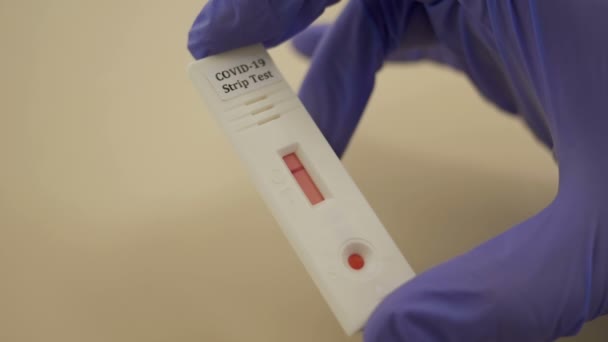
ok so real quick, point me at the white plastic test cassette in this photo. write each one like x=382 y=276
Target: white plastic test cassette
x=335 y=233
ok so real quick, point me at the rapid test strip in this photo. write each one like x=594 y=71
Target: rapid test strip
x=331 y=227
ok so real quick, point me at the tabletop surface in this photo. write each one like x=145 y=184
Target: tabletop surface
x=126 y=216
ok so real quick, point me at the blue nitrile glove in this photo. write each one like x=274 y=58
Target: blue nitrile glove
x=544 y=60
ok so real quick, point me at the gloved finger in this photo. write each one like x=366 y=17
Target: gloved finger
x=306 y=42
x=346 y=58
x=539 y=281
x=224 y=25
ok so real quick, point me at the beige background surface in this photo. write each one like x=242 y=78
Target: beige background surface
x=125 y=216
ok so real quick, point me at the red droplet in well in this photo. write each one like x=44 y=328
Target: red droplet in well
x=356 y=261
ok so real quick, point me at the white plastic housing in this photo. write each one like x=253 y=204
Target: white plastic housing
x=265 y=120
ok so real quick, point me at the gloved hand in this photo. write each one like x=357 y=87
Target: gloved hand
x=546 y=61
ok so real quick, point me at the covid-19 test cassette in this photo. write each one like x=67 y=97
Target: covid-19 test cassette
x=333 y=230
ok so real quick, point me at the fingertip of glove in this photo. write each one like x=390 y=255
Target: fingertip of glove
x=385 y=324
x=195 y=49
x=198 y=35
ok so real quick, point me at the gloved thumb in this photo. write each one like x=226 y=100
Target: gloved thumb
x=539 y=281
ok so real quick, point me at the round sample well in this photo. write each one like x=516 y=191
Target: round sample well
x=357 y=256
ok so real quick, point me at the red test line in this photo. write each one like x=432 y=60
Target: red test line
x=303 y=178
